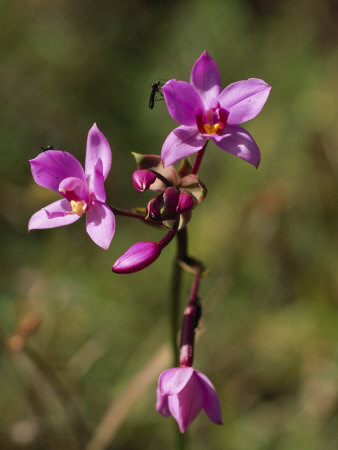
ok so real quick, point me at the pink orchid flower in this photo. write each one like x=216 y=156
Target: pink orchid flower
x=83 y=190
x=206 y=112
x=182 y=392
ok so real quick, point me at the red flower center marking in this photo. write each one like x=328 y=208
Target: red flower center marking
x=212 y=121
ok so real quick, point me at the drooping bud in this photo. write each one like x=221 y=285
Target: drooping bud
x=183 y=392
x=143 y=179
x=137 y=257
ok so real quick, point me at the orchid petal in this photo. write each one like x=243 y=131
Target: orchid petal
x=73 y=188
x=205 y=78
x=186 y=405
x=52 y=166
x=211 y=404
x=181 y=142
x=96 y=182
x=172 y=381
x=56 y=214
x=100 y=224
x=182 y=101
x=238 y=142
x=244 y=99
x=98 y=148
x=162 y=404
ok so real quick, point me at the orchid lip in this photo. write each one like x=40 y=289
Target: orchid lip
x=78 y=207
x=212 y=121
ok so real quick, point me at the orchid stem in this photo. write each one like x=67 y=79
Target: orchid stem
x=169 y=236
x=198 y=159
x=195 y=286
x=122 y=212
x=176 y=281
x=191 y=316
x=181 y=439
x=182 y=243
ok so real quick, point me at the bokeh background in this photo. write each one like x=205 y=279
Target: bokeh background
x=268 y=337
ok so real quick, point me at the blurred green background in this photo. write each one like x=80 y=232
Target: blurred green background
x=268 y=337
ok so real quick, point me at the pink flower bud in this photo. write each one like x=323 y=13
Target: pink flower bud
x=170 y=201
x=137 y=257
x=143 y=179
x=154 y=207
x=185 y=202
x=163 y=207
x=182 y=392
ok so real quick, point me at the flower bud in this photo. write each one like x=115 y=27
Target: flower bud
x=137 y=257
x=143 y=179
x=185 y=202
x=170 y=201
x=154 y=207
x=163 y=207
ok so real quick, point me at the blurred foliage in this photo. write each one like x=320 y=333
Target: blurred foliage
x=269 y=237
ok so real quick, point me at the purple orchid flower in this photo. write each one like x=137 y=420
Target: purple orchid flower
x=205 y=112
x=83 y=190
x=182 y=392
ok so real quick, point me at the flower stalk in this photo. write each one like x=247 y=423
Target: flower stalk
x=192 y=314
x=134 y=215
x=198 y=160
x=175 y=291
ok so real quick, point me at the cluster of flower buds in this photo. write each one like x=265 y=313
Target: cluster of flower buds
x=178 y=191
x=204 y=113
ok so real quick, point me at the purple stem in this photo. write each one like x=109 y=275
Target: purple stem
x=198 y=159
x=122 y=212
x=169 y=236
x=190 y=322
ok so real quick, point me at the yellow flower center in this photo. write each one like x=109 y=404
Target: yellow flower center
x=211 y=129
x=78 y=207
